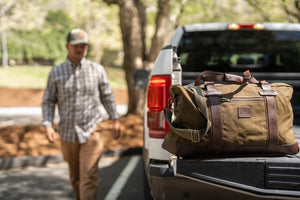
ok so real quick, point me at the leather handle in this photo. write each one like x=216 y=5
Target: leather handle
x=226 y=78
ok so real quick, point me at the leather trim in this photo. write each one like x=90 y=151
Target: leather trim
x=267 y=89
x=272 y=123
x=216 y=140
x=211 y=89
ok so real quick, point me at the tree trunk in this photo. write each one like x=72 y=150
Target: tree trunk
x=133 y=49
x=133 y=20
x=4 y=42
x=160 y=31
x=143 y=23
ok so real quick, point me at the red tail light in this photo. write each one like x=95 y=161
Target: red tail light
x=246 y=26
x=157 y=99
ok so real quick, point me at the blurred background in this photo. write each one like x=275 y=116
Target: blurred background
x=125 y=35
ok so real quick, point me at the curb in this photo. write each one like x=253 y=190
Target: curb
x=32 y=115
x=40 y=161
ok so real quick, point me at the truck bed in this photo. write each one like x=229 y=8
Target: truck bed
x=262 y=176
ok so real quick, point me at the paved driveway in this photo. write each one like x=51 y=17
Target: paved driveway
x=119 y=178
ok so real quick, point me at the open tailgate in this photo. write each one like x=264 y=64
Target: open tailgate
x=260 y=176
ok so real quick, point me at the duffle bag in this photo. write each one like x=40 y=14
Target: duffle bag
x=230 y=115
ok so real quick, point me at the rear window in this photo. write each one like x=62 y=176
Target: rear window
x=223 y=51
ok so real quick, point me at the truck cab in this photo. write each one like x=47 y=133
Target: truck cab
x=271 y=51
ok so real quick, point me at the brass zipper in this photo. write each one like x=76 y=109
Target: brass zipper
x=242 y=99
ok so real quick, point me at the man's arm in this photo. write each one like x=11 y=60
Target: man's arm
x=48 y=108
x=108 y=101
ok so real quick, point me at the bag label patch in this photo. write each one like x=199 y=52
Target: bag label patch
x=244 y=112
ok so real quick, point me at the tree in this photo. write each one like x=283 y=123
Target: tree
x=277 y=10
x=292 y=10
x=42 y=46
x=14 y=17
x=133 y=21
x=101 y=23
x=4 y=9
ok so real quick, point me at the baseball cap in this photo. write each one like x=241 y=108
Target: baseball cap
x=77 y=36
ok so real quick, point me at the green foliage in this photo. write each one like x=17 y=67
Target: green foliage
x=41 y=46
x=274 y=11
x=39 y=35
x=116 y=77
x=199 y=11
x=59 y=20
x=109 y=57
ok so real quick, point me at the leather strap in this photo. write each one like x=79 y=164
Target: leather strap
x=271 y=114
x=192 y=134
x=216 y=140
x=189 y=134
x=272 y=123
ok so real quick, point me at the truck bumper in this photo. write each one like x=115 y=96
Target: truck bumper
x=197 y=184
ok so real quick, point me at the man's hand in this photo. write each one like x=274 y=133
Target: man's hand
x=116 y=129
x=50 y=134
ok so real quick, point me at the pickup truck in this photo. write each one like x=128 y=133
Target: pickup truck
x=271 y=51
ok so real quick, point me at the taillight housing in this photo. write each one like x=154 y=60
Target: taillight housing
x=157 y=99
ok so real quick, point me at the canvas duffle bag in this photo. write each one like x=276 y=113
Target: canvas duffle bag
x=230 y=115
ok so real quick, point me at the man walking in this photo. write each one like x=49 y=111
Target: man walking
x=78 y=86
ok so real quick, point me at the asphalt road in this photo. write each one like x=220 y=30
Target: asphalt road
x=119 y=178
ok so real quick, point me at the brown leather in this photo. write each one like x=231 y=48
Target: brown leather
x=211 y=76
x=272 y=122
x=186 y=150
x=248 y=76
x=244 y=112
x=271 y=113
x=211 y=89
x=216 y=140
x=216 y=137
x=266 y=89
x=234 y=79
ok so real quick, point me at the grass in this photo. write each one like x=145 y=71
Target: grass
x=36 y=77
x=116 y=76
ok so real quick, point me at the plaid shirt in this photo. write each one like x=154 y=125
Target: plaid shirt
x=78 y=92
